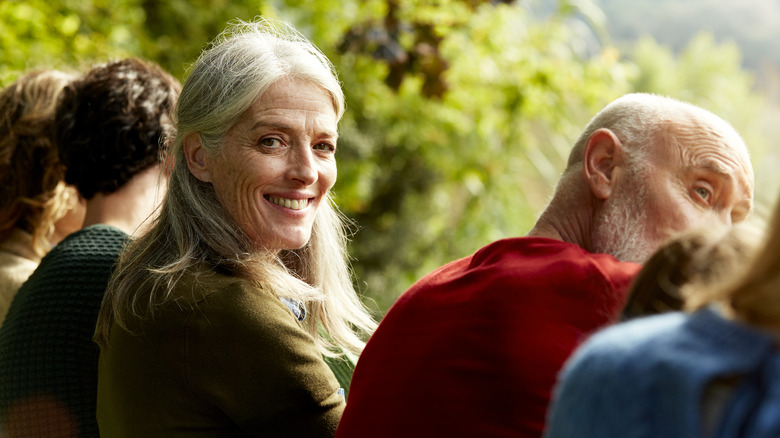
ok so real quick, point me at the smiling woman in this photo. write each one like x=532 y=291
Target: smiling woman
x=217 y=320
x=277 y=164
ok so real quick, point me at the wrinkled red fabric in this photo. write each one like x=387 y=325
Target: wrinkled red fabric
x=473 y=349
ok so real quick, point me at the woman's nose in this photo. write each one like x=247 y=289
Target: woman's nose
x=302 y=165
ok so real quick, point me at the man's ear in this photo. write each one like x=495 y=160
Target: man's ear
x=195 y=154
x=603 y=152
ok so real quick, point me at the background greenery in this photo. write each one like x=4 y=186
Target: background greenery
x=460 y=112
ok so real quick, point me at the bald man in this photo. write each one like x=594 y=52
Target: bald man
x=473 y=349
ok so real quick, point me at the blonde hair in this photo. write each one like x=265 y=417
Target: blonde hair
x=754 y=295
x=193 y=229
x=33 y=193
x=682 y=273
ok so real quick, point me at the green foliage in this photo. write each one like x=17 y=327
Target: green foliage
x=176 y=31
x=64 y=33
x=430 y=179
x=460 y=113
x=703 y=73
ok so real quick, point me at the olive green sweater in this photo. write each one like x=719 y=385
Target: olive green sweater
x=224 y=360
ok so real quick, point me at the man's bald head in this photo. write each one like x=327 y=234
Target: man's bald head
x=642 y=120
x=648 y=166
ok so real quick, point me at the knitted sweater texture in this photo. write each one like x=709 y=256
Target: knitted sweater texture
x=48 y=362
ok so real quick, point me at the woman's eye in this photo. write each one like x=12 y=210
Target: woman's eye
x=270 y=142
x=704 y=193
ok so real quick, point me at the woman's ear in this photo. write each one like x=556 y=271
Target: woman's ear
x=603 y=152
x=195 y=154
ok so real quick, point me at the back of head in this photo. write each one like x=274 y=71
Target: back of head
x=111 y=124
x=753 y=297
x=693 y=261
x=33 y=195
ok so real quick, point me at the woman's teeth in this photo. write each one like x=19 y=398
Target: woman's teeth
x=294 y=204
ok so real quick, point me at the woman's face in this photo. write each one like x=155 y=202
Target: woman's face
x=277 y=164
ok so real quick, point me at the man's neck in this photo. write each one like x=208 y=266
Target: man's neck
x=131 y=207
x=572 y=227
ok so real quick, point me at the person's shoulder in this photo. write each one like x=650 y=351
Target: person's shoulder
x=91 y=240
x=229 y=307
x=596 y=269
x=216 y=295
x=633 y=334
x=526 y=246
x=679 y=336
x=244 y=293
x=15 y=268
x=560 y=263
x=607 y=264
x=636 y=342
x=18 y=244
x=442 y=275
x=526 y=262
x=604 y=386
x=101 y=234
x=551 y=251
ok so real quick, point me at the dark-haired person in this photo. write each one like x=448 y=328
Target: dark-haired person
x=110 y=128
x=37 y=208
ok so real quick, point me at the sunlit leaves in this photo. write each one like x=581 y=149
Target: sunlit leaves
x=65 y=33
x=451 y=172
x=460 y=113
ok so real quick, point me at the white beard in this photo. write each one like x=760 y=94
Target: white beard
x=622 y=230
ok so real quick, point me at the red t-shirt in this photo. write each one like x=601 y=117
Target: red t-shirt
x=473 y=349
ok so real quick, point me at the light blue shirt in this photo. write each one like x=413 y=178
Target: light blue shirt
x=647 y=378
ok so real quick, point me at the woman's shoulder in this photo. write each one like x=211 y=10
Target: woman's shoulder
x=229 y=311
x=633 y=334
x=206 y=284
x=685 y=341
x=211 y=296
x=631 y=344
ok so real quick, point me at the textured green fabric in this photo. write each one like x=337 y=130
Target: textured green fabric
x=225 y=359
x=342 y=368
x=48 y=362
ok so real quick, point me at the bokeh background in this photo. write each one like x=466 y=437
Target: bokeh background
x=460 y=112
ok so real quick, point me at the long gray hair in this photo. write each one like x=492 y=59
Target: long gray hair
x=193 y=229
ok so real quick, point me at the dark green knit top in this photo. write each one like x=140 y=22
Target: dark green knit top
x=48 y=361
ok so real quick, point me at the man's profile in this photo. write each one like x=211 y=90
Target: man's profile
x=474 y=348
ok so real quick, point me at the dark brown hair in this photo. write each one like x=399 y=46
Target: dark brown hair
x=111 y=124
